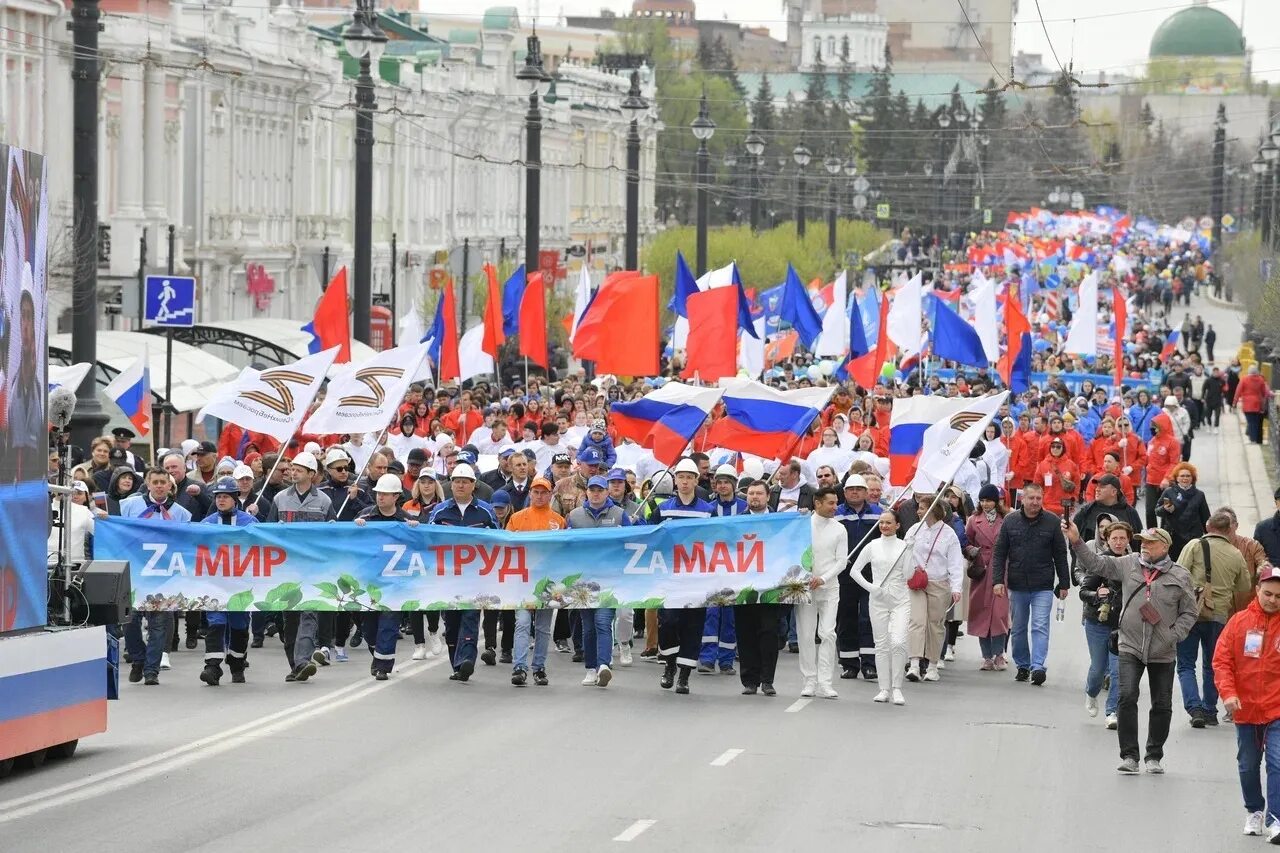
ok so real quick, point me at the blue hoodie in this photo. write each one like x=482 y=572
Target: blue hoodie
x=604 y=445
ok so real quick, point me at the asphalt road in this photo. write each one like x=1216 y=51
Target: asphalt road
x=973 y=763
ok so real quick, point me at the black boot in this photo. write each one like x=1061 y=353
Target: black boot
x=212 y=673
x=682 y=680
x=668 y=675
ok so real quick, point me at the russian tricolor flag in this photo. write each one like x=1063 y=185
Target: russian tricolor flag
x=764 y=421
x=1171 y=344
x=910 y=418
x=53 y=688
x=131 y=391
x=665 y=420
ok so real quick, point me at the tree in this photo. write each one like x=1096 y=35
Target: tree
x=878 y=104
x=815 y=95
x=764 y=117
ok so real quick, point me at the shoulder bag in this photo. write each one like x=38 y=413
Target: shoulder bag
x=920 y=578
x=1113 y=642
x=1204 y=596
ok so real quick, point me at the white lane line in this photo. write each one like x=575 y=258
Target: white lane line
x=798 y=705
x=632 y=832
x=110 y=781
x=729 y=755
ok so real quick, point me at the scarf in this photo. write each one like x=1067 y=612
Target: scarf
x=991 y=516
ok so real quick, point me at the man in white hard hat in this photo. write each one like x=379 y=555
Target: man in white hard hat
x=302 y=502
x=463 y=509
x=680 y=629
x=348 y=499
x=719 y=634
x=855 y=641
x=382 y=628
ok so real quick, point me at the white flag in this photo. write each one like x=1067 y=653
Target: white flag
x=1082 y=339
x=472 y=359
x=983 y=294
x=905 y=316
x=960 y=433
x=834 y=339
x=273 y=401
x=70 y=376
x=581 y=298
x=366 y=397
x=751 y=351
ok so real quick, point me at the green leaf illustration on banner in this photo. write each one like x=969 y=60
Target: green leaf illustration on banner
x=806 y=559
x=651 y=603
x=353 y=606
x=608 y=600
x=346 y=583
x=328 y=590
x=375 y=593
x=285 y=591
x=540 y=588
x=572 y=579
x=439 y=605
x=769 y=596
x=241 y=601
x=747 y=596
x=410 y=605
x=317 y=604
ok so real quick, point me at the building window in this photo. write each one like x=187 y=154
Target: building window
x=817 y=48
x=831 y=47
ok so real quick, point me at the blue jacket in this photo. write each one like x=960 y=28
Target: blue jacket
x=737 y=506
x=477 y=514
x=857 y=525
x=239 y=518
x=605 y=446
x=1141 y=417
x=140 y=506
x=672 y=508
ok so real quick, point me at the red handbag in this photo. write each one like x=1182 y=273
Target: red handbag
x=920 y=578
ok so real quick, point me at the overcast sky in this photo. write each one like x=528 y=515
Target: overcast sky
x=1108 y=34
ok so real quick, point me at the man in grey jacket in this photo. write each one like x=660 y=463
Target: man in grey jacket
x=1159 y=611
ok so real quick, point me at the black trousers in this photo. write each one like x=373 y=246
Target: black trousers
x=855 y=642
x=757 y=626
x=569 y=626
x=680 y=634
x=416 y=618
x=1186 y=449
x=493 y=619
x=342 y=628
x=1160 y=682
x=1152 y=497
x=194 y=621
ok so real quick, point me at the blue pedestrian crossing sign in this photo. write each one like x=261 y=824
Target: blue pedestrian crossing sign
x=169 y=300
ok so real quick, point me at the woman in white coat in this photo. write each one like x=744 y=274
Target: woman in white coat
x=890 y=604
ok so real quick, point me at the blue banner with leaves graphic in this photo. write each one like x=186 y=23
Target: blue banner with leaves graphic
x=340 y=566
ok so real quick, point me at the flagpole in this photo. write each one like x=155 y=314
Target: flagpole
x=267 y=478
x=377 y=446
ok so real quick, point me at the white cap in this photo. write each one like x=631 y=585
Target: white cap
x=306 y=460
x=189 y=446
x=242 y=471
x=726 y=471
x=1171 y=400
x=335 y=454
x=312 y=448
x=463 y=471
x=855 y=481
x=686 y=466
x=388 y=483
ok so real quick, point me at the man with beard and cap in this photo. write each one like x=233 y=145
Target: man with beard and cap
x=1108 y=505
x=719 y=635
x=497 y=478
x=228 y=635
x=855 y=641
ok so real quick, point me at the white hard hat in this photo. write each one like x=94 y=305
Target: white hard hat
x=686 y=466
x=855 y=481
x=726 y=471
x=463 y=471
x=312 y=448
x=306 y=460
x=335 y=454
x=388 y=483
x=242 y=471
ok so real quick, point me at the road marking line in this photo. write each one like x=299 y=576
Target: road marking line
x=798 y=705
x=729 y=755
x=109 y=781
x=632 y=832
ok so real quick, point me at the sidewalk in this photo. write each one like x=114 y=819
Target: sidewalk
x=1233 y=472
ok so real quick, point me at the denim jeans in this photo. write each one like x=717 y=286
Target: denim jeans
x=1101 y=662
x=541 y=622
x=1203 y=639
x=158 y=627
x=1250 y=743
x=993 y=645
x=1030 y=610
x=597 y=637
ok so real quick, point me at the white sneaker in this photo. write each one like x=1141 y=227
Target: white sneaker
x=809 y=688
x=341 y=656
x=164 y=660
x=938 y=664
x=1113 y=722
x=898 y=698
x=419 y=651
x=826 y=691
x=589 y=680
x=932 y=674
x=603 y=676
x=1255 y=823
x=1273 y=836
x=1091 y=705
x=882 y=696
x=913 y=671
x=624 y=655
x=951 y=654
x=435 y=644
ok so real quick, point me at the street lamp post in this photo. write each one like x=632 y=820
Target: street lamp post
x=1218 y=199
x=535 y=77
x=703 y=129
x=633 y=105
x=944 y=122
x=1269 y=154
x=832 y=165
x=802 y=156
x=755 y=147
x=365 y=41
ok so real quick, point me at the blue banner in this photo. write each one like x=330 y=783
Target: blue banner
x=339 y=566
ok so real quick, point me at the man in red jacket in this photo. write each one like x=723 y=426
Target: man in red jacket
x=463 y=420
x=1246 y=669
x=1251 y=396
x=236 y=441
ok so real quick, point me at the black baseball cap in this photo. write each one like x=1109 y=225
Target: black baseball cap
x=561 y=459
x=205 y=447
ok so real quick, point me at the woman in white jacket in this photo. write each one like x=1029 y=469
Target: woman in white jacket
x=890 y=604
x=936 y=549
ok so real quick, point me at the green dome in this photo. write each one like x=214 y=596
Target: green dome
x=1198 y=31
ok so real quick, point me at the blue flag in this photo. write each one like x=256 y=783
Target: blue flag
x=686 y=285
x=797 y=309
x=744 y=307
x=512 y=293
x=955 y=340
x=435 y=335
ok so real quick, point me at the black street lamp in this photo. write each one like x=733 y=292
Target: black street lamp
x=633 y=105
x=944 y=122
x=1269 y=153
x=755 y=147
x=538 y=81
x=832 y=165
x=89 y=418
x=851 y=171
x=364 y=41
x=703 y=129
x=1218 y=199
x=802 y=156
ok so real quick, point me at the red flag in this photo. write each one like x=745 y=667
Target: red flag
x=493 y=336
x=865 y=369
x=331 y=324
x=448 y=368
x=1120 y=311
x=533 y=321
x=712 y=352
x=781 y=348
x=619 y=332
x=1016 y=325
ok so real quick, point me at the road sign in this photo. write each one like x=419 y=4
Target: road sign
x=169 y=300
x=986 y=216
x=882 y=211
x=861 y=184
x=1228 y=220
x=859 y=202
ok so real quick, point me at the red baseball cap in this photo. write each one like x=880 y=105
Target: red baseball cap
x=1268 y=572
